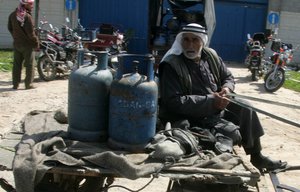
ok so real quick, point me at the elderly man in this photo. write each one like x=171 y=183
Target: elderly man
x=194 y=83
x=21 y=27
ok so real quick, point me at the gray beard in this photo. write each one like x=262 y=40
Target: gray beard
x=194 y=57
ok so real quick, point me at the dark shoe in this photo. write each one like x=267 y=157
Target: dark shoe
x=15 y=86
x=261 y=162
x=30 y=87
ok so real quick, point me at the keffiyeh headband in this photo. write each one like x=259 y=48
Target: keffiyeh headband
x=21 y=12
x=194 y=28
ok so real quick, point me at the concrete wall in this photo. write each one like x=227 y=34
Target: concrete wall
x=6 y=7
x=289 y=31
x=53 y=10
x=288 y=26
x=290 y=5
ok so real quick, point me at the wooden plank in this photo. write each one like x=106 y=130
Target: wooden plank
x=213 y=171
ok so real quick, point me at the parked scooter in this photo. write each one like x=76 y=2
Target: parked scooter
x=283 y=55
x=255 y=58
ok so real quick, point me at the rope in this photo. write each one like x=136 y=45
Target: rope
x=123 y=187
x=168 y=162
x=193 y=144
x=196 y=149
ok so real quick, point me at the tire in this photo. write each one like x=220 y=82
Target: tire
x=273 y=84
x=254 y=75
x=46 y=69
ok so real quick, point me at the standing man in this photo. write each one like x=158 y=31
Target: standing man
x=21 y=26
x=194 y=83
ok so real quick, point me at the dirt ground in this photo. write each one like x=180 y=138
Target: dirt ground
x=281 y=140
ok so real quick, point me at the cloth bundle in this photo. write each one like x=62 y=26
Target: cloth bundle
x=172 y=143
x=45 y=144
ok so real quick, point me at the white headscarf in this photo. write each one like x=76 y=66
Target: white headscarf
x=24 y=2
x=21 y=11
x=194 y=28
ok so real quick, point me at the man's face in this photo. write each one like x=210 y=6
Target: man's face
x=29 y=6
x=191 y=45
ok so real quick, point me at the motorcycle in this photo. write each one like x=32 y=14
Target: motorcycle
x=58 y=53
x=109 y=38
x=56 y=59
x=282 y=56
x=46 y=32
x=255 y=58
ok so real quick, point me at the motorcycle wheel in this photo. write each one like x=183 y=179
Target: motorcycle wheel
x=46 y=69
x=273 y=81
x=254 y=74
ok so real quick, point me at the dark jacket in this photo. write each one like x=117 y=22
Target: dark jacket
x=181 y=100
x=23 y=36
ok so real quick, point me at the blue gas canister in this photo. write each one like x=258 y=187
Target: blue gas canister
x=133 y=104
x=88 y=99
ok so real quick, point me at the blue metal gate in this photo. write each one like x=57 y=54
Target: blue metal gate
x=233 y=21
x=128 y=15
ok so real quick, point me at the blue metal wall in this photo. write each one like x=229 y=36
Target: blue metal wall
x=128 y=14
x=234 y=19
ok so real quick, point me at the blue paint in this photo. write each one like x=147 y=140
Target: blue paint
x=70 y=5
x=125 y=15
x=233 y=22
x=273 y=18
x=88 y=101
x=133 y=107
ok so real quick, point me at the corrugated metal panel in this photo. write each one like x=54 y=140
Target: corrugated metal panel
x=6 y=7
x=129 y=15
x=234 y=21
x=289 y=32
x=290 y=6
x=54 y=10
x=246 y=1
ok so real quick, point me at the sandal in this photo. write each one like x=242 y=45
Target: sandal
x=266 y=163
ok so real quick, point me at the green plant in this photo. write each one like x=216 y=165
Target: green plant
x=292 y=81
x=6 y=60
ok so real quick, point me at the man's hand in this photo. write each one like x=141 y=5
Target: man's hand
x=224 y=91
x=221 y=102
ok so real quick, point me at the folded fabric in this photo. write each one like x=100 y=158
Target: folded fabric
x=205 y=138
x=186 y=140
x=40 y=149
x=224 y=144
x=172 y=143
x=169 y=148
